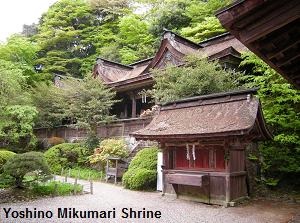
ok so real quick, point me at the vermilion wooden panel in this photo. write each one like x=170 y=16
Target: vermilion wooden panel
x=202 y=158
x=220 y=162
x=181 y=161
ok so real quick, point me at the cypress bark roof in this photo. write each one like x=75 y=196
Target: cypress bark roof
x=223 y=114
x=172 y=49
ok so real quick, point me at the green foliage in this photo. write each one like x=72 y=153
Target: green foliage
x=89 y=101
x=50 y=104
x=145 y=159
x=140 y=179
x=4 y=156
x=109 y=147
x=134 y=39
x=280 y=103
x=196 y=77
x=92 y=142
x=16 y=126
x=66 y=155
x=21 y=52
x=206 y=29
x=55 y=188
x=141 y=174
x=85 y=173
x=21 y=164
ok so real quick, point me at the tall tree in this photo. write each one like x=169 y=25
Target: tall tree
x=281 y=107
x=21 y=52
x=60 y=36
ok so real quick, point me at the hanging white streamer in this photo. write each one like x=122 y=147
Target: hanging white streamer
x=194 y=155
x=187 y=152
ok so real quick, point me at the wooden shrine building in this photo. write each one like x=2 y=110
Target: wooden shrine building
x=204 y=140
x=132 y=81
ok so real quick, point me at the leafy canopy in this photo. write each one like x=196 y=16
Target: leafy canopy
x=281 y=107
x=195 y=77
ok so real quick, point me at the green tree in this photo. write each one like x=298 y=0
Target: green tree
x=21 y=53
x=281 y=107
x=196 y=77
x=89 y=102
x=17 y=115
x=21 y=164
x=134 y=39
x=50 y=104
x=61 y=37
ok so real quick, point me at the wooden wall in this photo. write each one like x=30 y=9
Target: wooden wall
x=117 y=128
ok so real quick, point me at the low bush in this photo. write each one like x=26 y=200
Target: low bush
x=109 y=147
x=21 y=164
x=141 y=174
x=55 y=188
x=4 y=156
x=140 y=179
x=66 y=155
x=85 y=173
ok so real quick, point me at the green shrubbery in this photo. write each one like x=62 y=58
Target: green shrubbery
x=4 y=156
x=55 y=188
x=66 y=155
x=141 y=174
x=27 y=163
x=109 y=147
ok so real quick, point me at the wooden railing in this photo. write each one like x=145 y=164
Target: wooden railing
x=117 y=128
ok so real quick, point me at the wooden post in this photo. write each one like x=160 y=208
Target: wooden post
x=91 y=187
x=116 y=171
x=227 y=190
x=133 y=108
x=125 y=111
x=107 y=166
x=75 y=186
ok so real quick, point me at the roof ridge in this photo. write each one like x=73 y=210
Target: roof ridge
x=215 y=37
x=113 y=62
x=181 y=37
x=214 y=95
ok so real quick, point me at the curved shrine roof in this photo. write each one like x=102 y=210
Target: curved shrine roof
x=231 y=113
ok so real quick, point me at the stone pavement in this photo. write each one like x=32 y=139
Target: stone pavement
x=109 y=197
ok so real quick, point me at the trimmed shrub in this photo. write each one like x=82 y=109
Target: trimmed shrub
x=109 y=147
x=66 y=155
x=21 y=164
x=146 y=158
x=140 y=179
x=141 y=174
x=4 y=156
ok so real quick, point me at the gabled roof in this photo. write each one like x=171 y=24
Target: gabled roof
x=172 y=49
x=234 y=113
x=269 y=28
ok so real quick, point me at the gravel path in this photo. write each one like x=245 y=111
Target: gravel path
x=108 y=196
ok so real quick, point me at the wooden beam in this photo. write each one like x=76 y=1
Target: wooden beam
x=270 y=22
x=286 y=47
x=287 y=60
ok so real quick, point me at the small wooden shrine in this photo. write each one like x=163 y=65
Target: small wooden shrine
x=203 y=140
x=115 y=168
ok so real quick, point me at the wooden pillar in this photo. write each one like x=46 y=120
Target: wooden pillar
x=125 y=111
x=133 y=104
